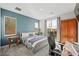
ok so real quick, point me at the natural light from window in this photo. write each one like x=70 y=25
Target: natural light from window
x=54 y=24
x=36 y=25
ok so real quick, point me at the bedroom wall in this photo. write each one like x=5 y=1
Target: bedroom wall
x=77 y=13
x=68 y=15
x=24 y=23
x=78 y=32
x=42 y=26
x=0 y=26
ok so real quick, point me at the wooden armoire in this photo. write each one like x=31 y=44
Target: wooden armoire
x=69 y=30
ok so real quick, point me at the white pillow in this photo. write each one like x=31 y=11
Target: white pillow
x=25 y=35
x=33 y=33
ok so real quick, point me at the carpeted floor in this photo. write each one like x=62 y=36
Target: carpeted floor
x=0 y=51
x=21 y=50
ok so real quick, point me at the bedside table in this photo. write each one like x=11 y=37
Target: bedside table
x=12 y=38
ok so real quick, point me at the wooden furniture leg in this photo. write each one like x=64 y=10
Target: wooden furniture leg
x=17 y=41
x=9 y=42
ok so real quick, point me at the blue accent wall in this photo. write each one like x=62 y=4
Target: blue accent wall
x=24 y=23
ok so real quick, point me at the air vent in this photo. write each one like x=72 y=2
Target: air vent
x=18 y=9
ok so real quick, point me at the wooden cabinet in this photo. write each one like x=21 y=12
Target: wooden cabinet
x=63 y=31
x=71 y=30
x=68 y=30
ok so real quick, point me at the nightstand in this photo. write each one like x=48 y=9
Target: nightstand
x=12 y=38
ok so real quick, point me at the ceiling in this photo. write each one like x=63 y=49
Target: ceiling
x=40 y=10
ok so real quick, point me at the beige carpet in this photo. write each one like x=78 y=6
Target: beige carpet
x=21 y=50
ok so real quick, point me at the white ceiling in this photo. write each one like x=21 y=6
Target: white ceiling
x=40 y=10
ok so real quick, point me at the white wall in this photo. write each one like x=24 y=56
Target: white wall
x=68 y=15
x=42 y=25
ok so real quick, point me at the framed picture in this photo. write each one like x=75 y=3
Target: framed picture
x=10 y=25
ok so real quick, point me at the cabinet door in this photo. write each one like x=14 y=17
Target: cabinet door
x=69 y=30
x=63 y=31
x=72 y=30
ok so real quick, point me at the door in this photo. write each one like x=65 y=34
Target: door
x=72 y=30
x=63 y=31
x=68 y=31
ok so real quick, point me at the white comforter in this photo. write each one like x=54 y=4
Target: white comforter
x=31 y=42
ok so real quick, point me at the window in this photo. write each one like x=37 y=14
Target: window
x=36 y=25
x=54 y=24
x=10 y=25
x=48 y=23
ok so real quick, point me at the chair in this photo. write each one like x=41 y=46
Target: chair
x=52 y=45
x=69 y=48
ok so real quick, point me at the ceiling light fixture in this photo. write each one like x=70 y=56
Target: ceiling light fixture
x=41 y=9
x=18 y=9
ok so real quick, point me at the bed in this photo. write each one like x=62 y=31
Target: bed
x=34 y=42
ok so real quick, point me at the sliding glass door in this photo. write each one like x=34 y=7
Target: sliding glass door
x=53 y=25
